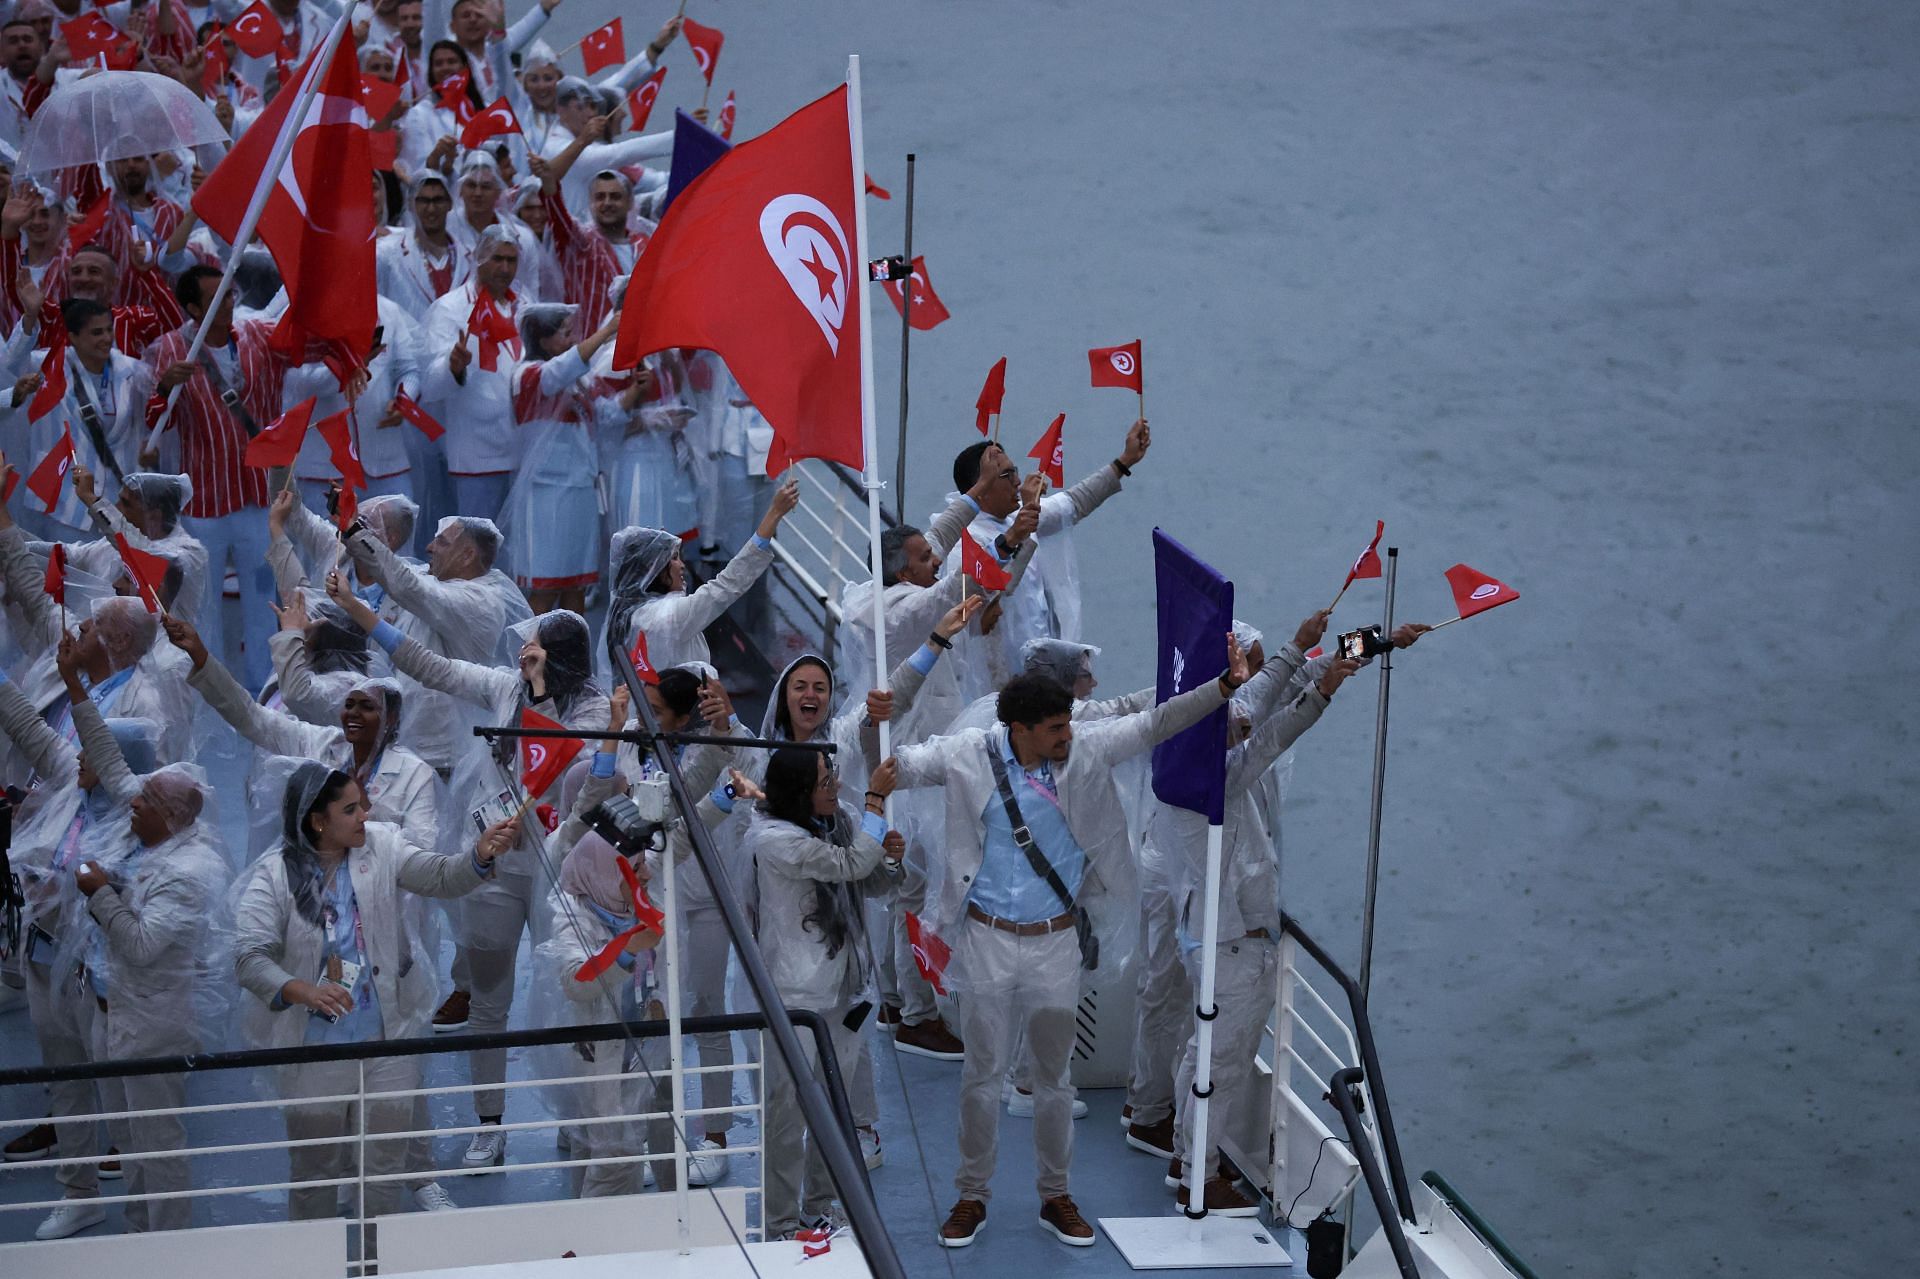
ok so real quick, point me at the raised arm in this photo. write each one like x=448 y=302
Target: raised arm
x=269 y=730
x=26 y=579
x=102 y=752
x=43 y=748
x=700 y=609
x=1112 y=740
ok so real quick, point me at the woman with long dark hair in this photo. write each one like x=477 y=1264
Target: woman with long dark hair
x=323 y=946
x=814 y=863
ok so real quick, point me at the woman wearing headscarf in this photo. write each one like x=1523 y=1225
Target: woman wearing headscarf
x=555 y=679
x=147 y=513
x=322 y=946
x=552 y=514
x=399 y=785
x=650 y=586
x=813 y=868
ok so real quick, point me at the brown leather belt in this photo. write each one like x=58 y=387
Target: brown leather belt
x=1059 y=923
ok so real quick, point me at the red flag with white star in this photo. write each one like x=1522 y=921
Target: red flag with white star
x=928 y=309
x=1116 y=365
x=640 y=101
x=603 y=48
x=705 y=43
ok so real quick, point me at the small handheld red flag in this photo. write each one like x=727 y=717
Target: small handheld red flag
x=492 y=327
x=494 y=122
x=642 y=664
x=279 y=444
x=411 y=410
x=726 y=118
x=213 y=73
x=928 y=309
x=51 y=473
x=1368 y=565
x=453 y=96
x=149 y=571
x=1116 y=365
x=256 y=32
x=991 y=394
x=930 y=954
x=1051 y=453
x=56 y=581
x=89 y=35
x=378 y=96
x=877 y=191
x=640 y=101
x=81 y=233
x=980 y=566
x=705 y=43
x=603 y=48
x=1475 y=592
x=647 y=918
x=53 y=377
x=543 y=759
x=337 y=431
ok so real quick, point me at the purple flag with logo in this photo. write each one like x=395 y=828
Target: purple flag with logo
x=1195 y=606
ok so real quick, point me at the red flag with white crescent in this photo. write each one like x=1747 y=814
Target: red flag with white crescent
x=149 y=571
x=640 y=101
x=726 y=118
x=280 y=443
x=256 y=32
x=1368 y=565
x=1475 y=592
x=928 y=309
x=1051 y=453
x=1116 y=365
x=642 y=664
x=930 y=955
x=337 y=431
x=454 y=97
x=980 y=566
x=705 y=43
x=647 y=918
x=603 y=48
x=771 y=220
x=425 y=421
x=543 y=759
x=46 y=479
x=496 y=121
x=53 y=377
x=319 y=221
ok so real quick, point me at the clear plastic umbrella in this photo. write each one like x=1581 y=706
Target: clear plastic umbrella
x=111 y=115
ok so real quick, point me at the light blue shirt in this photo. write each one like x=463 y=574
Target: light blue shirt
x=340 y=920
x=1007 y=886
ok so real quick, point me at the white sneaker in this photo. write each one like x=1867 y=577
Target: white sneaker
x=488 y=1147
x=870 y=1148
x=706 y=1164
x=1020 y=1105
x=433 y=1197
x=71 y=1218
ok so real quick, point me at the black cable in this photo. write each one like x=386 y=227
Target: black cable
x=1286 y=1218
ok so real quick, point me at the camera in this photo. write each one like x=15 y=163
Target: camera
x=634 y=825
x=884 y=270
x=1365 y=643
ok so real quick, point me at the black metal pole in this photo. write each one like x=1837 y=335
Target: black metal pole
x=906 y=333
x=1340 y=1094
x=1379 y=784
x=848 y=1169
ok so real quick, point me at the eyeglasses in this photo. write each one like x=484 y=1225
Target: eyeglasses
x=829 y=781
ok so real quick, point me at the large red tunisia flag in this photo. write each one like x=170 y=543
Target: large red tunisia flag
x=757 y=260
x=318 y=222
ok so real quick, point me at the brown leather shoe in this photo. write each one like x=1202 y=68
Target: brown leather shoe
x=35 y=1143
x=1152 y=1139
x=452 y=1015
x=1223 y=1199
x=889 y=1015
x=930 y=1039
x=963 y=1223
x=1060 y=1215
x=110 y=1167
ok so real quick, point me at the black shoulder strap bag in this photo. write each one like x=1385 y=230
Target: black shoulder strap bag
x=1037 y=858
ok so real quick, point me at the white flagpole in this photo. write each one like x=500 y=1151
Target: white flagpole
x=282 y=148
x=869 y=442
x=1204 y=1012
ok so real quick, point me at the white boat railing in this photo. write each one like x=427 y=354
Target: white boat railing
x=822 y=547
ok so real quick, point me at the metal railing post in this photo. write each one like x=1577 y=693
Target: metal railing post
x=360 y=1160
x=1340 y=1094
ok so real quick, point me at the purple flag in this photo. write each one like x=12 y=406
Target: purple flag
x=695 y=148
x=1195 y=606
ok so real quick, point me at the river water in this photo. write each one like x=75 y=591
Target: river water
x=1613 y=301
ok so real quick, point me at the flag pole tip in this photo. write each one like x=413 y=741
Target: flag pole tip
x=1393 y=552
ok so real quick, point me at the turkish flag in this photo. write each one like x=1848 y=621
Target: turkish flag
x=149 y=571
x=53 y=378
x=705 y=43
x=319 y=221
x=930 y=955
x=647 y=918
x=1051 y=453
x=640 y=101
x=772 y=220
x=412 y=411
x=991 y=395
x=496 y=120
x=642 y=664
x=1475 y=592
x=56 y=579
x=346 y=508
x=1116 y=365
x=256 y=32
x=1368 y=565
x=89 y=36
x=543 y=759
x=378 y=96
x=81 y=233
x=51 y=473
x=980 y=566
x=928 y=309
x=453 y=96
x=213 y=71
x=337 y=431
x=726 y=117
x=279 y=444
x=492 y=326
x=603 y=48
x=877 y=191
